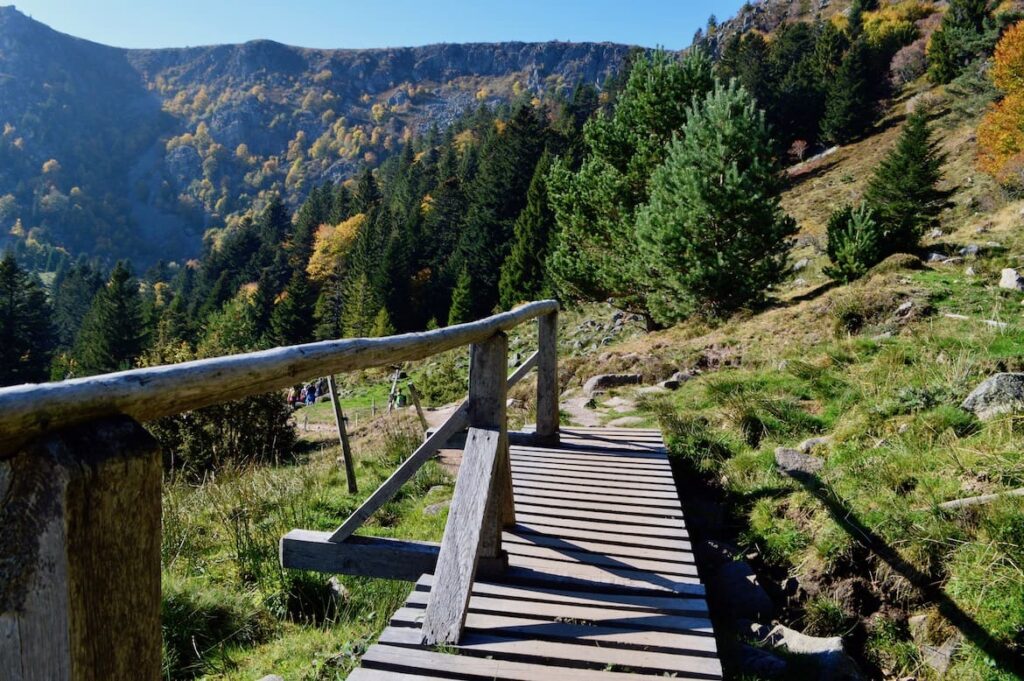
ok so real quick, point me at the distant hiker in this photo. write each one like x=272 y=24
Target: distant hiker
x=311 y=394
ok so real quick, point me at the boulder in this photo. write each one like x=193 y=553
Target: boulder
x=1011 y=279
x=826 y=653
x=741 y=596
x=794 y=462
x=436 y=509
x=606 y=381
x=999 y=394
x=338 y=590
x=801 y=264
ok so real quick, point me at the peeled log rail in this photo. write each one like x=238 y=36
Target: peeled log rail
x=29 y=410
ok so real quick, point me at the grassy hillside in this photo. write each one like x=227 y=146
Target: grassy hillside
x=879 y=367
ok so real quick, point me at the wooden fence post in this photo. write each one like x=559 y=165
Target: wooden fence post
x=415 y=395
x=80 y=555
x=346 y=450
x=547 y=379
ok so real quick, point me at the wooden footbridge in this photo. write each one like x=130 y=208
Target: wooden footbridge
x=565 y=554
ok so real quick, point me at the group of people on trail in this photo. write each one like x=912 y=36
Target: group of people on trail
x=300 y=395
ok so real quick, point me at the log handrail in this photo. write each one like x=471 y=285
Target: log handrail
x=29 y=410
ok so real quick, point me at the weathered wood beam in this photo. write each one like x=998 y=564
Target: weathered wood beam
x=80 y=556
x=144 y=394
x=346 y=450
x=415 y=395
x=362 y=556
x=460 y=546
x=547 y=379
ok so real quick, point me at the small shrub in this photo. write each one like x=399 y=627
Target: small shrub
x=693 y=440
x=444 y=381
x=854 y=239
x=824 y=616
x=909 y=63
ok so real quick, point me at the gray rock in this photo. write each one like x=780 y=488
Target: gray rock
x=436 y=509
x=812 y=443
x=940 y=657
x=272 y=677
x=936 y=257
x=904 y=308
x=970 y=249
x=670 y=384
x=338 y=590
x=743 y=597
x=792 y=461
x=800 y=282
x=826 y=653
x=999 y=394
x=969 y=272
x=606 y=381
x=935 y=233
x=955 y=260
x=1011 y=279
x=801 y=264
x=757 y=663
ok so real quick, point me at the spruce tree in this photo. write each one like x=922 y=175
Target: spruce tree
x=461 y=309
x=854 y=242
x=292 y=320
x=27 y=335
x=849 y=109
x=523 y=276
x=713 y=236
x=382 y=325
x=903 y=193
x=112 y=333
x=72 y=298
x=963 y=36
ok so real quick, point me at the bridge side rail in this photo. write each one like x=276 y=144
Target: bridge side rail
x=80 y=487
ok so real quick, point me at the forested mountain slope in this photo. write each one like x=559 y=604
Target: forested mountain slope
x=133 y=153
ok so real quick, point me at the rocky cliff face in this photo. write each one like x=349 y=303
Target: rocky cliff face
x=134 y=152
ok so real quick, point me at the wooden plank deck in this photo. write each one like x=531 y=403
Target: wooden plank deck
x=601 y=584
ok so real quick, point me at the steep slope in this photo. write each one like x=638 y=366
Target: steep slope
x=153 y=146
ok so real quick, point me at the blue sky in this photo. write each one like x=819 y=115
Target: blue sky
x=376 y=23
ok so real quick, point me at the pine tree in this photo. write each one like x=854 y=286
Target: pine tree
x=382 y=325
x=292 y=320
x=904 y=193
x=849 y=107
x=462 y=300
x=367 y=195
x=964 y=36
x=72 y=298
x=112 y=333
x=594 y=247
x=854 y=242
x=361 y=305
x=713 y=236
x=523 y=276
x=27 y=335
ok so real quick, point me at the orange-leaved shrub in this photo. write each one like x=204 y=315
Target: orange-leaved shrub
x=1001 y=131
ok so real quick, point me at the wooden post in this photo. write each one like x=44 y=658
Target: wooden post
x=415 y=395
x=80 y=555
x=488 y=394
x=393 y=395
x=346 y=451
x=547 y=379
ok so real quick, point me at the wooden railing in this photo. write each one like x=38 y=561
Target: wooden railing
x=80 y=493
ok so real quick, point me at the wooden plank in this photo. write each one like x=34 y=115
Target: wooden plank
x=415 y=395
x=457 y=421
x=609 y=469
x=593 y=476
x=522 y=370
x=150 y=393
x=610 y=460
x=597 y=573
x=534 y=530
x=625 y=508
x=568 y=555
x=636 y=551
x=541 y=476
x=538 y=630
x=621 y=492
x=554 y=575
x=544 y=610
x=598 y=657
x=547 y=378
x=683 y=604
x=593 y=450
x=465 y=666
x=524 y=517
x=626 y=522
x=590 y=495
x=457 y=560
x=346 y=451
x=363 y=556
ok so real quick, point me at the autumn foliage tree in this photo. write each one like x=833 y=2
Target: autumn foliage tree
x=1001 y=132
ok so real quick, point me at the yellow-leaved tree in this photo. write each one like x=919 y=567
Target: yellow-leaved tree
x=330 y=247
x=1001 y=131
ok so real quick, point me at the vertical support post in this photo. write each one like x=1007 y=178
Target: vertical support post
x=80 y=555
x=415 y=395
x=547 y=379
x=346 y=450
x=488 y=394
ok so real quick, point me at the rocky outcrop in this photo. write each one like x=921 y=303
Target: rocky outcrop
x=999 y=394
x=602 y=382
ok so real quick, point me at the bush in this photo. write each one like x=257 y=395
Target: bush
x=253 y=430
x=854 y=239
x=909 y=63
